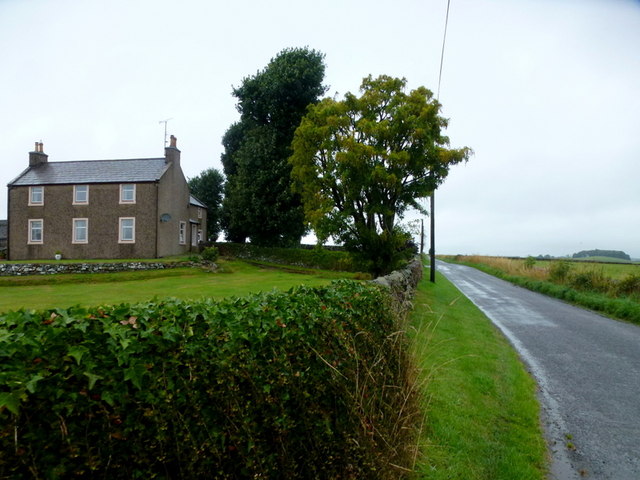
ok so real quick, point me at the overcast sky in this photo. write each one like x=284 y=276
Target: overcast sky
x=546 y=92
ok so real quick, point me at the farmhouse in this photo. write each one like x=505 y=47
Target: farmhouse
x=137 y=208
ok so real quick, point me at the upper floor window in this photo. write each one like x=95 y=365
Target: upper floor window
x=80 y=230
x=80 y=194
x=127 y=230
x=36 y=231
x=36 y=195
x=199 y=212
x=128 y=193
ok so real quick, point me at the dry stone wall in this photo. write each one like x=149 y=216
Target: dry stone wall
x=402 y=283
x=7 y=269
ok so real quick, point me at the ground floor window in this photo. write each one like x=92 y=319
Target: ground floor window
x=127 y=230
x=183 y=233
x=80 y=230
x=36 y=230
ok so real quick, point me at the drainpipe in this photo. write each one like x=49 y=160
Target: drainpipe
x=157 y=225
x=9 y=222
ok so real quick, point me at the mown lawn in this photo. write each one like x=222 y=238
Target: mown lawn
x=482 y=416
x=236 y=278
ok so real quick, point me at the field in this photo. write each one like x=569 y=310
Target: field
x=603 y=260
x=539 y=270
x=235 y=278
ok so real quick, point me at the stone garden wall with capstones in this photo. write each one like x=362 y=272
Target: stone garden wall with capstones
x=402 y=284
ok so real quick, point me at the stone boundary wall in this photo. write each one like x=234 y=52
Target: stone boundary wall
x=8 y=269
x=403 y=283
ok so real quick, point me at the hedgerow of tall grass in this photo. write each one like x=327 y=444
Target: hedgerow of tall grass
x=586 y=286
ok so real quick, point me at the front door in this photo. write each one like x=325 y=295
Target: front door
x=194 y=235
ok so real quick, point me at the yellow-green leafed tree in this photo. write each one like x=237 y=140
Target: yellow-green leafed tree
x=360 y=163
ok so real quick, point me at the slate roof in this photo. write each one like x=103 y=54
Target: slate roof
x=194 y=201
x=93 y=171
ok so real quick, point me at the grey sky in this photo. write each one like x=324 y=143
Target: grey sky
x=545 y=91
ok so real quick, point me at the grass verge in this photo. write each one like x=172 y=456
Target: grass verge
x=482 y=415
x=236 y=278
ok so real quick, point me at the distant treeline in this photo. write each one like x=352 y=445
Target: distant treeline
x=602 y=253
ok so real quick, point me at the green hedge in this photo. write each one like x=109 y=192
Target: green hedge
x=313 y=383
x=304 y=257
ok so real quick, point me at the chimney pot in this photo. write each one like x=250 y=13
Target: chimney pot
x=172 y=144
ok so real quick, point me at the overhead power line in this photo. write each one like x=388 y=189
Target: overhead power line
x=432 y=249
x=444 y=40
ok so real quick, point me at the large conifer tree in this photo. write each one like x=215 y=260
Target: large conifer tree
x=259 y=203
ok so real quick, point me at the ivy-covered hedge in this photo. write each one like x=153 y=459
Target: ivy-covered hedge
x=313 y=383
x=312 y=258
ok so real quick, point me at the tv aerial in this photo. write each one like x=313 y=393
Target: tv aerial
x=165 y=129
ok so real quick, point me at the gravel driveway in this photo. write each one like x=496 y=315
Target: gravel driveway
x=587 y=368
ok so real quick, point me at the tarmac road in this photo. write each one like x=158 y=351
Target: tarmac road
x=587 y=368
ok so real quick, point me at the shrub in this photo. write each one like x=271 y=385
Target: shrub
x=305 y=384
x=559 y=271
x=629 y=286
x=529 y=263
x=317 y=257
x=591 y=280
x=210 y=254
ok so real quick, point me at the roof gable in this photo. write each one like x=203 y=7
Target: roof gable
x=93 y=171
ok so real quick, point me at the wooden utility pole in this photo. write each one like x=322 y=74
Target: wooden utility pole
x=432 y=250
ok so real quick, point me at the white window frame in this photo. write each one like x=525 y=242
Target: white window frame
x=121 y=237
x=199 y=212
x=32 y=190
x=75 y=195
x=74 y=233
x=125 y=186
x=182 y=233
x=31 y=240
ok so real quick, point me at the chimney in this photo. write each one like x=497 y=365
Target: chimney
x=38 y=157
x=171 y=153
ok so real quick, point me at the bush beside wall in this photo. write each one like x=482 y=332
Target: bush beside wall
x=327 y=259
